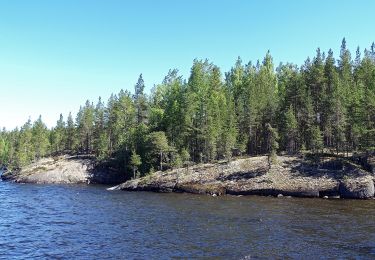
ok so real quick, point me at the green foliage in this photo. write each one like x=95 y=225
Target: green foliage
x=25 y=152
x=273 y=144
x=176 y=161
x=135 y=162
x=4 y=150
x=140 y=101
x=322 y=105
x=158 y=146
x=291 y=128
x=85 y=127
x=70 y=134
x=58 y=136
x=316 y=139
x=40 y=139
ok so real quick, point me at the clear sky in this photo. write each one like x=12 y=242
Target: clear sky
x=54 y=55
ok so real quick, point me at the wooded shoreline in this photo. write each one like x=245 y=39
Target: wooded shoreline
x=297 y=176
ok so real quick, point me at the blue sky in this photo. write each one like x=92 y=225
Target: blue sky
x=54 y=55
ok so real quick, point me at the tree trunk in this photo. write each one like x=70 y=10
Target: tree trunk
x=161 y=161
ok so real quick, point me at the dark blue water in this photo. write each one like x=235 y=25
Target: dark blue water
x=89 y=222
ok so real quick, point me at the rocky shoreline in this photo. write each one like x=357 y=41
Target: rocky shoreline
x=330 y=177
x=290 y=176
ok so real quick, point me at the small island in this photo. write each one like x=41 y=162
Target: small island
x=306 y=131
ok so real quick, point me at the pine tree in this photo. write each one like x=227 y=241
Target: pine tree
x=268 y=103
x=196 y=110
x=236 y=83
x=215 y=114
x=315 y=83
x=330 y=99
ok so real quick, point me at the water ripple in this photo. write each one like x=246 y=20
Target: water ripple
x=81 y=222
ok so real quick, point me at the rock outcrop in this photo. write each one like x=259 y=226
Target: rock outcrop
x=291 y=176
x=64 y=170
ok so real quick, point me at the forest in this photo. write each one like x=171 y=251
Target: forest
x=325 y=105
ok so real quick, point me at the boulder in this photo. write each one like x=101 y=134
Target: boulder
x=359 y=188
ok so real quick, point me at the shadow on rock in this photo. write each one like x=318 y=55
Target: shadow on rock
x=106 y=175
x=244 y=175
x=318 y=167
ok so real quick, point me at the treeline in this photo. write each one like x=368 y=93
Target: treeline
x=325 y=104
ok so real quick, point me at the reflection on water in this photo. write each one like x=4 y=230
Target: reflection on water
x=92 y=223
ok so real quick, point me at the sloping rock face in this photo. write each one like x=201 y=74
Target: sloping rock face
x=65 y=170
x=61 y=170
x=291 y=176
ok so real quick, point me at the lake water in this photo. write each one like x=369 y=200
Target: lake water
x=89 y=222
